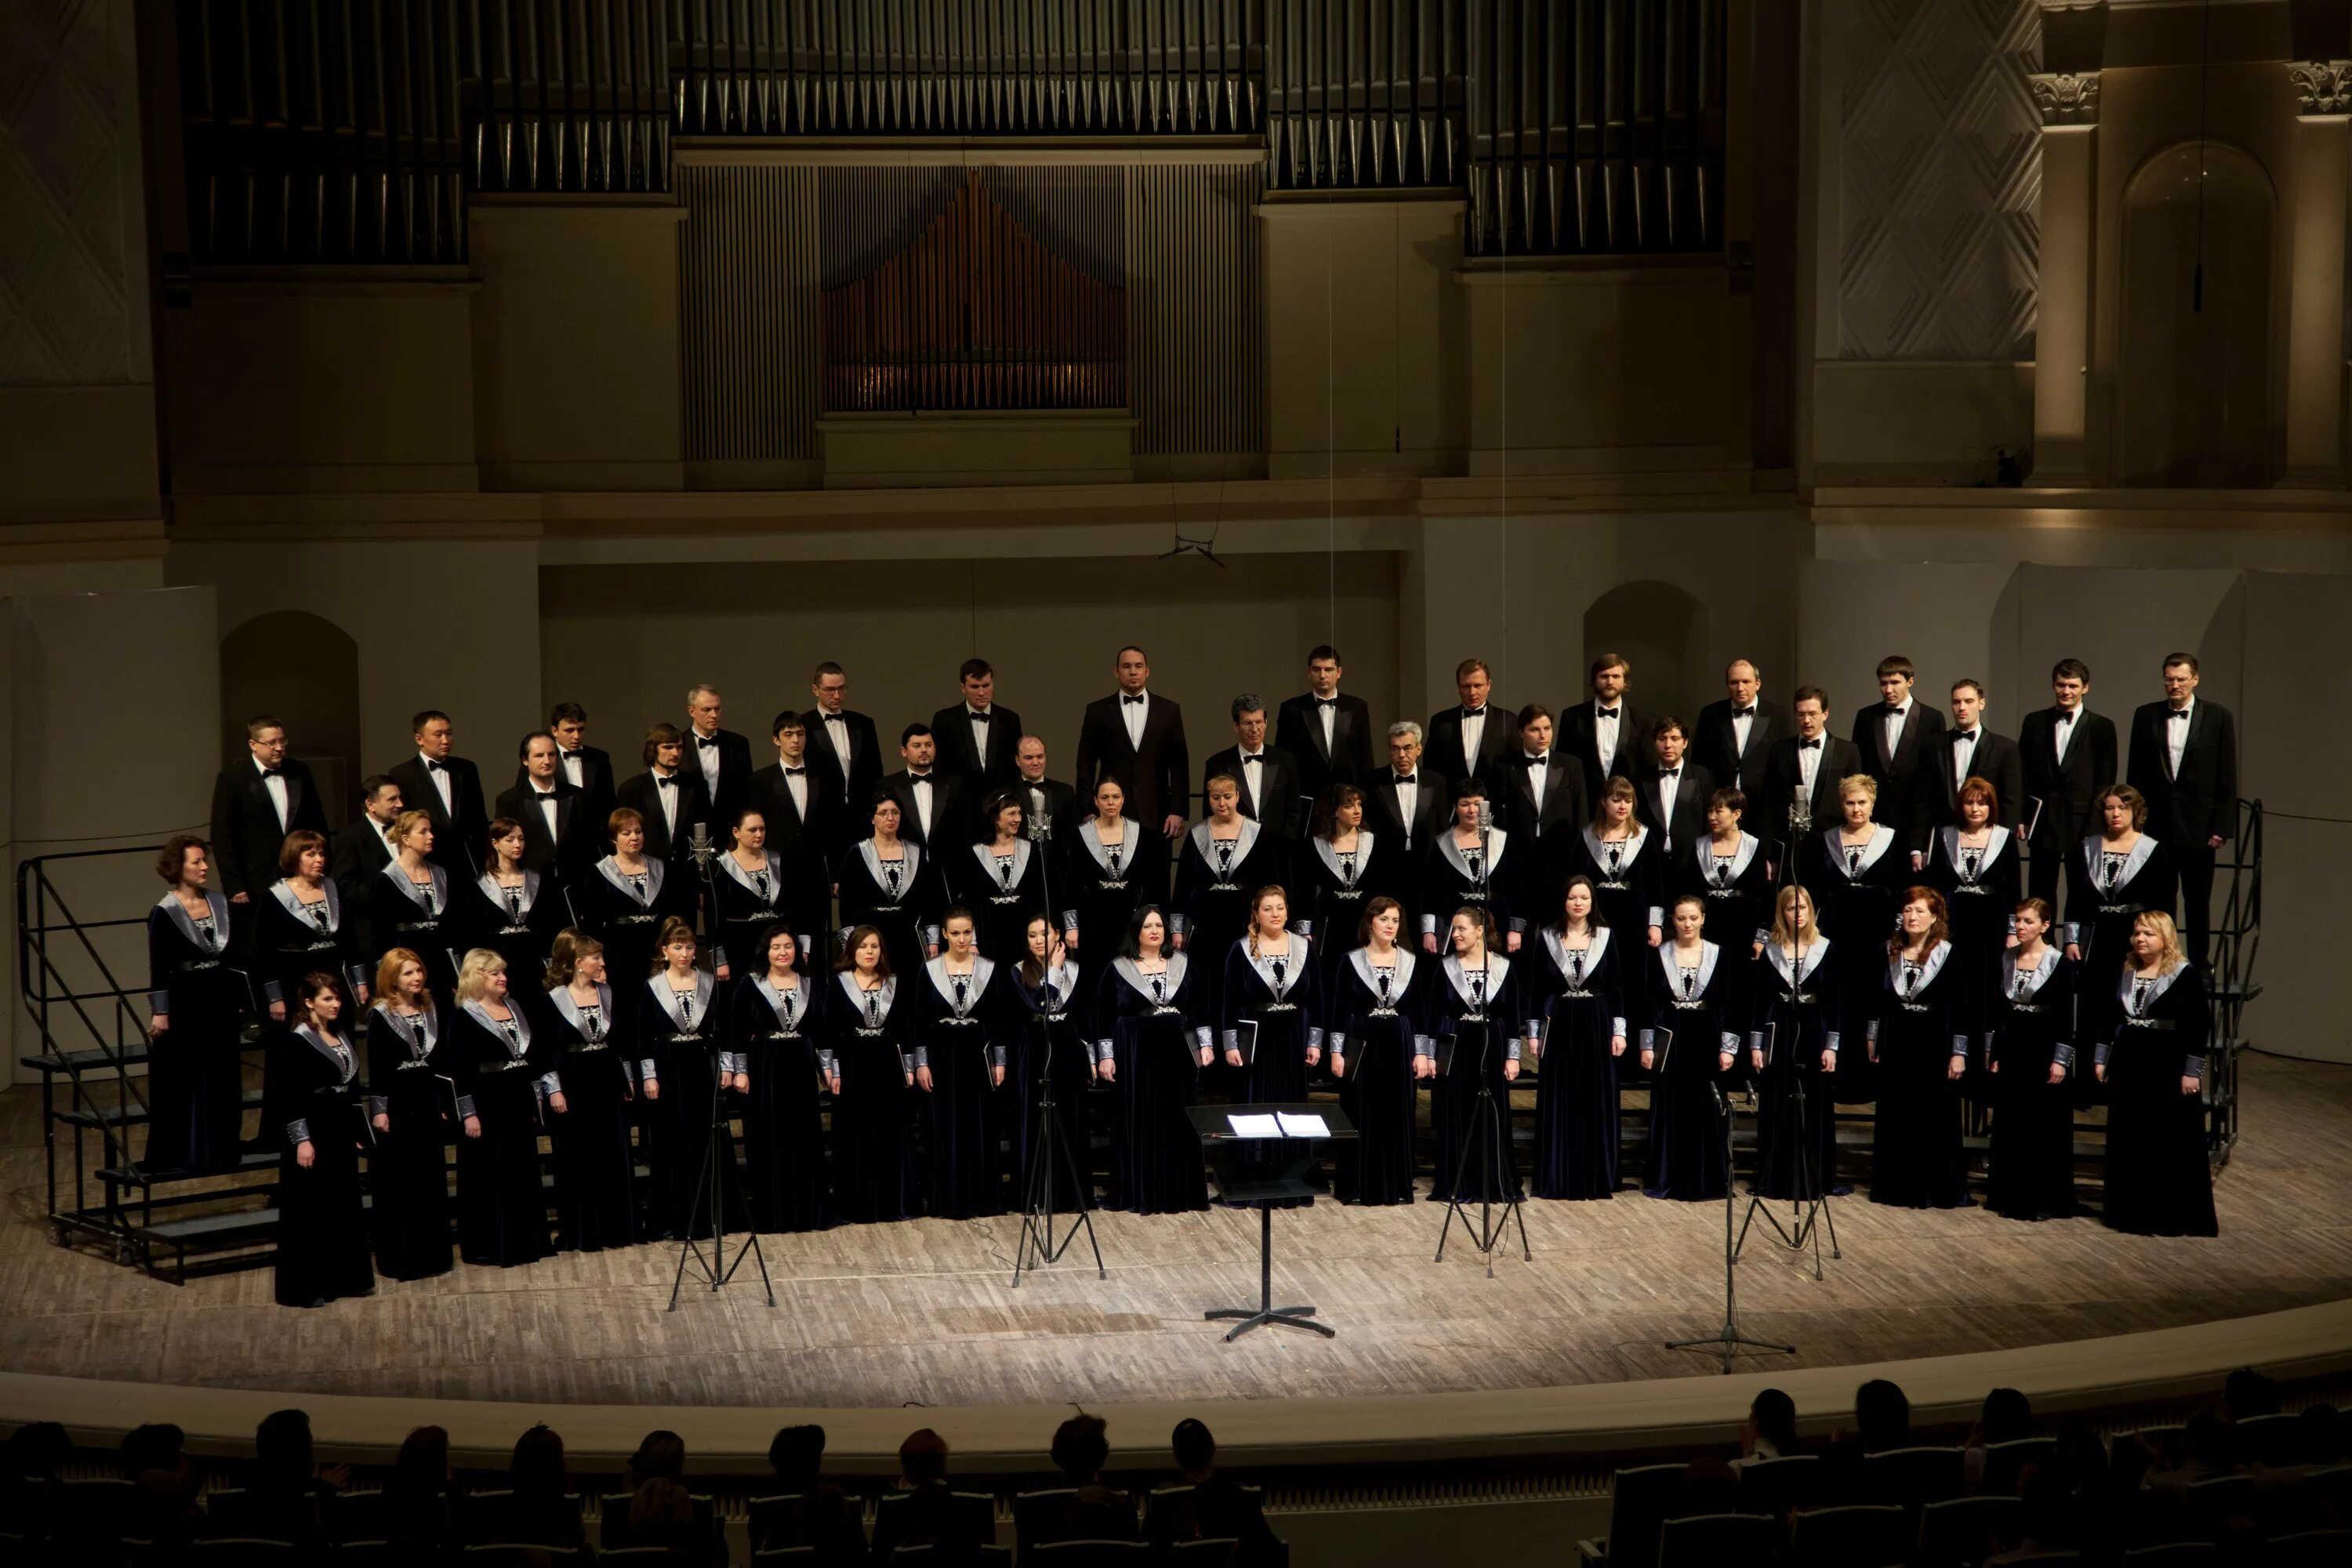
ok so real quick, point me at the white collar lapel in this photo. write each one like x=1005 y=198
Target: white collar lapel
x=439 y=883
x=1880 y=835
x=1204 y=840
x=497 y=895
x=1401 y=976
x=944 y=983
x=1560 y=950
x=1090 y=835
x=1135 y=976
x=1628 y=852
x=1264 y=963
x=1708 y=954
x=1931 y=966
x=345 y=1064
x=612 y=871
x=419 y=1033
x=789 y=1007
x=986 y=855
x=666 y=995
x=1330 y=857
x=1496 y=970
x=2035 y=978
x=1740 y=857
x=1496 y=840
x=1812 y=960
x=518 y=1045
x=874 y=863
x=2128 y=982
x=743 y=878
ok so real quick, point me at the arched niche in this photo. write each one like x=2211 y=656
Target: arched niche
x=303 y=671
x=2193 y=396
x=1661 y=631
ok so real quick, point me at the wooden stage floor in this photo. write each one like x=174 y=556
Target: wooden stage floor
x=924 y=1313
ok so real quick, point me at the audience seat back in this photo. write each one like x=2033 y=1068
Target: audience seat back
x=1857 y=1535
x=1961 y=1532
x=1712 y=1540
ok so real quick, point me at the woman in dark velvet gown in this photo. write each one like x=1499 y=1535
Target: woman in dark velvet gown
x=1627 y=864
x=513 y=912
x=1341 y=869
x=1224 y=859
x=195 y=1091
x=749 y=894
x=1577 y=987
x=1380 y=1054
x=1859 y=871
x=1793 y=1048
x=1001 y=880
x=1481 y=1022
x=625 y=899
x=1463 y=869
x=313 y=1109
x=302 y=926
x=868 y=1014
x=1918 y=1036
x=1696 y=1006
x=409 y=904
x=893 y=886
x=2159 y=1176
x=411 y=1097
x=1726 y=869
x=507 y=1081
x=1273 y=1006
x=963 y=1014
x=590 y=1031
x=1053 y=1041
x=1975 y=867
x=1154 y=1043
x=2111 y=878
x=774 y=1023
x=1100 y=885
x=682 y=1029
x=2030 y=1044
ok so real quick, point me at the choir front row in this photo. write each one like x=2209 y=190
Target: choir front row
x=891 y=1087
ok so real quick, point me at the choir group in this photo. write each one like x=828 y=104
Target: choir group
x=872 y=975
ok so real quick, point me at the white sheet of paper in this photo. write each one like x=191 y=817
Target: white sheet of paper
x=1254 y=1126
x=1309 y=1126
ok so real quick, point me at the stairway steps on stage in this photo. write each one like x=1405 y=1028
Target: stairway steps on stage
x=80 y=1062
x=127 y=1115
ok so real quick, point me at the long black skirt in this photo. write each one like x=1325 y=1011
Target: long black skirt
x=682 y=1139
x=596 y=1182
x=322 y=1238
x=1071 y=1068
x=408 y=1174
x=501 y=1206
x=963 y=1178
x=1382 y=1097
x=2030 y=1168
x=873 y=1166
x=783 y=1139
x=1158 y=1164
x=1687 y=1155
x=2160 y=1179
x=195 y=1088
x=1576 y=1105
x=1916 y=1160
x=1797 y=1124
x=1474 y=1142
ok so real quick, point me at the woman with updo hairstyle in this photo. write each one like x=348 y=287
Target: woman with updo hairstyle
x=1154 y=1042
x=1690 y=1041
x=961 y=1026
x=775 y=1029
x=590 y=1033
x=303 y=926
x=1224 y=859
x=506 y=1078
x=514 y=912
x=1101 y=884
x=1380 y=1056
x=1343 y=866
x=1270 y=1022
x=1975 y=866
x=196 y=1092
x=410 y=1104
x=2160 y=1178
x=1001 y=878
x=868 y=1014
x=408 y=903
x=682 y=1037
x=1050 y=995
x=626 y=897
x=314 y=1108
x=2114 y=876
x=1857 y=874
x=1576 y=990
x=2032 y=1045
x=748 y=892
x=1482 y=1026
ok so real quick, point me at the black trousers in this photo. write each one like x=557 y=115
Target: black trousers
x=2195 y=860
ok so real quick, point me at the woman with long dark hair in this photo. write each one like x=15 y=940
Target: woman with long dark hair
x=867 y=1018
x=1343 y=867
x=887 y=882
x=962 y=1019
x=514 y=912
x=1919 y=1038
x=1056 y=1044
x=1154 y=1043
x=682 y=1027
x=1577 y=991
x=1000 y=878
x=1381 y=1054
x=303 y=926
x=1689 y=1042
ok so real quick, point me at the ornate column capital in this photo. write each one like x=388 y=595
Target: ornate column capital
x=2066 y=98
x=2322 y=87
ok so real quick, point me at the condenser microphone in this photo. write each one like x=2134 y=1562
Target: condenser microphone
x=698 y=846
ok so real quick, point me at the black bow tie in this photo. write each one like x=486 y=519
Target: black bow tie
x=706 y=740
x=545 y=793
x=1254 y=757
x=1539 y=759
x=1748 y=712
x=1959 y=735
x=1604 y=712
x=1892 y=709
x=1136 y=700
x=1474 y=712
x=1326 y=702
x=273 y=773
x=434 y=767
x=919 y=778
x=1808 y=745
x=670 y=783
x=975 y=715
x=795 y=772
x=1407 y=778
x=1670 y=773
x=2177 y=713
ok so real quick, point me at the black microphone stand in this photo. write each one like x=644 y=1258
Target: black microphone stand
x=1728 y=1342
x=1049 y=1149
x=1488 y=1135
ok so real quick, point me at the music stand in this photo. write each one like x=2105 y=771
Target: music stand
x=1487 y=1138
x=709 y=1188
x=1214 y=1124
x=1049 y=1149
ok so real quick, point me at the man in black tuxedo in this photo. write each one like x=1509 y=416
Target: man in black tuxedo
x=847 y=742
x=976 y=737
x=722 y=757
x=360 y=852
x=668 y=795
x=448 y=789
x=1734 y=736
x=255 y=804
x=932 y=809
x=585 y=768
x=1329 y=732
x=800 y=799
x=1814 y=759
x=1042 y=799
x=1271 y=795
x=2070 y=759
x=2184 y=760
x=1605 y=733
x=1670 y=794
x=1538 y=790
x=1138 y=739
x=1405 y=803
x=1968 y=751
x=559 y=833
x=1896 y=738
x=1464 y=741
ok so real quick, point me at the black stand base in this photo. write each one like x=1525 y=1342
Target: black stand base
x=1490 y=1144
x=1038 y=1214
x=1728 y=1344
x=707 y=1190
x=1266 y=1311
x=1808 y=1216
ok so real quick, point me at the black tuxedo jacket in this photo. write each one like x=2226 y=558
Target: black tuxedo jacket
x=1441 y=751
x=1299 y=730
x=2065 y=789
x=951 y=809
x=1566 y=802
x=1158 y=777
x=865 y=766
x=1711 y=743
x=787 y=828
x=1432 y=808
x=1996 y=760
x=643 y=796
x=356 y=857
x=457 y=829
x=1768 y=818
x=1282 y=801
x=951 y=728
x=1061 y=806
x=1691 y=792
x=595 y=783
x=1901 y=774
x=1576 y=735
x=2202 y=802
x=734 y=787
x=579 y=841
x=246 y=833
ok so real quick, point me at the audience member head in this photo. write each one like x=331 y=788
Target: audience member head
x=797 y=1454
x=661 y=1513
x=2007 y=1415
x=2211 y=1442
x=1080 y=1450
x=1882 y=1414
x=1194 y=1448
x=423 y=1465
x=2246 y=1392
x=158 y=1445
x=281 y=1446
x=37 y=1449
x=537 y=1465
x=923 y=1459
x=661 y=1457
x=1771 y=1418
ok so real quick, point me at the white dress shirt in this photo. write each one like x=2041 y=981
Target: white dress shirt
x=1407 y=797
x=438 y=771
x=923 y=789
x=575 y=768
x=1742 y=723
x=1670 y=781
x=1252 y=765
x=1964 y=750
x=978 y=719
x=274 y=782
x=668 y=799
x=1473 y=731
x=2176 y=725
x=1891 y=724
x=2062 y=731
x=837 y=727
x=707 y=758
x=546 y=799
x=796 y=786
x=1328 y=715
x=1132 y=715
x=1808 y=761
x=1605 y=723
x=1539 y=775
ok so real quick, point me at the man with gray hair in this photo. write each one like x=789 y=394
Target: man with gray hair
x=1403 y=803
x=1269 y=775
x=722 y=757
x=1733 y=737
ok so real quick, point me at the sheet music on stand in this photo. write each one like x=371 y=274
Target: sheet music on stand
x=1247 y=1125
